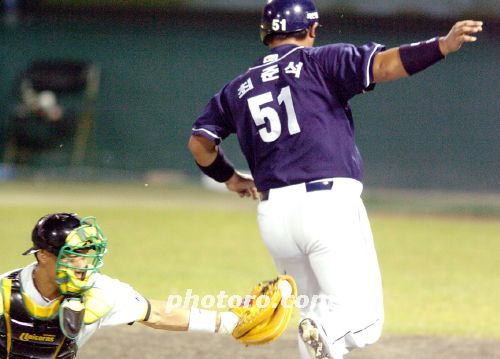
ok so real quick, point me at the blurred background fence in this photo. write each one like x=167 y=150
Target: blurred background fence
x=159 y=63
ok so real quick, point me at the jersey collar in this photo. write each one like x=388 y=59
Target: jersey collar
x=278 y=53
x=283 y=49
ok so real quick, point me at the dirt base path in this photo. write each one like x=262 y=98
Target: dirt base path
x=143 y=343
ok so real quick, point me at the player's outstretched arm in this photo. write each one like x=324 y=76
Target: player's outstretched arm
x=407 y=60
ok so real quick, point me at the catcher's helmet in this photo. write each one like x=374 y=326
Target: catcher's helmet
x=287 y=16
x=50 y=232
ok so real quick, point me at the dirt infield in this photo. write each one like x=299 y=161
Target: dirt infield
x=140 y=342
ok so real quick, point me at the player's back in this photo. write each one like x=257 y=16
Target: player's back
x=291 y=115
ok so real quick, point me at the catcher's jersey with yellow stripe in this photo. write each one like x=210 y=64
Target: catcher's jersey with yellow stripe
x=123 y=304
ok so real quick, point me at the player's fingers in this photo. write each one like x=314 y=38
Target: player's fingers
x=471 y=29
x=468 y=30
x=467 y=38
x=251 y=192
x=468 y=23
x=254 y=193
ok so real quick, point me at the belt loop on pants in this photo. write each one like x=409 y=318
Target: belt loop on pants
x=324 y=185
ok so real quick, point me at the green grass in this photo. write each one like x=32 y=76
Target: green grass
x=440 y=273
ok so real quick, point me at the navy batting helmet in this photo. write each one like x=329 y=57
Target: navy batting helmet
x=50 y=232
x=287 y=16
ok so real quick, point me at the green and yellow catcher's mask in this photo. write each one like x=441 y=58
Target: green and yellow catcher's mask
x=80 y=258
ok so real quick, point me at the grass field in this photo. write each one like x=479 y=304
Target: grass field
x=439 y=254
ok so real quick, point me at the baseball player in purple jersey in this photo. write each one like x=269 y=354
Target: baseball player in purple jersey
x=291 y=114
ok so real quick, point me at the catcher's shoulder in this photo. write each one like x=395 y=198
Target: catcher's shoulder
x=109 y=284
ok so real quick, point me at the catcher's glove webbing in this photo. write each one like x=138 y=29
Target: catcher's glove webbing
x=265 y=314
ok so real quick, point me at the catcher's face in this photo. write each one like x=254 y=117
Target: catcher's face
x=76 y=261
x=75 y=270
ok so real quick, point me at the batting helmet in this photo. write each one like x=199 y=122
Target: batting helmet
x=50 y=232
x=287 y=16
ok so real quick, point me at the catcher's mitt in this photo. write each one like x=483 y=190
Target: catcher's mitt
x=265 y=314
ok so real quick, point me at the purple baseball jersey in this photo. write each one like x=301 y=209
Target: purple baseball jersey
x=291 y=113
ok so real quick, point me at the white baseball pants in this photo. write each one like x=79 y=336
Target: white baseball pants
x=324 y=240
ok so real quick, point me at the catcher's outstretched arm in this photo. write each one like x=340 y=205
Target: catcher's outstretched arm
x=176 y=319
x=253 y=322
x=194 y=319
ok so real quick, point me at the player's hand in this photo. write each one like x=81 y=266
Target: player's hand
x=461 y=32
x=242 y=184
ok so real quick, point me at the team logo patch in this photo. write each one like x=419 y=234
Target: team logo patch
x=312 y=15
x=270 y=58
x=46 y=338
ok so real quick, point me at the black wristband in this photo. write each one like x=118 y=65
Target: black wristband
x=419 y=56
x=220 y=169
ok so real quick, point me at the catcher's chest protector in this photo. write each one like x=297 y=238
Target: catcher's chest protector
x=22 y=336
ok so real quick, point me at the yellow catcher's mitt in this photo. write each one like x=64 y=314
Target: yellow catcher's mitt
x=266 y=312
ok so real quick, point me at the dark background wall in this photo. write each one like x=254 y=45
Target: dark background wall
x=439 y=129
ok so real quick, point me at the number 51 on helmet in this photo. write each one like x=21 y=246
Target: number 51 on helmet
x=287 y=16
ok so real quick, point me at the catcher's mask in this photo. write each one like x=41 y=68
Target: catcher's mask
x=80 y=257
x=79 y=245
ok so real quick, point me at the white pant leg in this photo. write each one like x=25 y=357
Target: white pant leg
x=370 y=334
x=323 y=239
x=276 y=222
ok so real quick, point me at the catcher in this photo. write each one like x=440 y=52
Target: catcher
x=50 y=308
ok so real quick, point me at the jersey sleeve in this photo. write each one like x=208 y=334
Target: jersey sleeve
x=213 y=123
x=127 y=305
x=348 y=67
